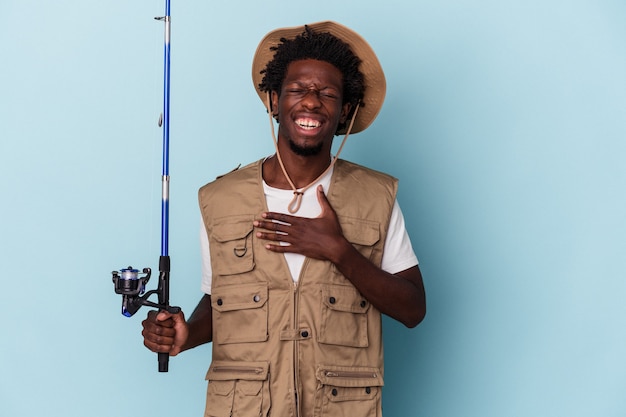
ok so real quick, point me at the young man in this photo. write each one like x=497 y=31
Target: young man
x=302 y=251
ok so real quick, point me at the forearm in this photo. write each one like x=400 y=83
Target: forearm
x=400 y=296
x=200 y=324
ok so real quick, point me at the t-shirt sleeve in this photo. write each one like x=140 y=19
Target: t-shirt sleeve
x=399 y=254
x=205 y=256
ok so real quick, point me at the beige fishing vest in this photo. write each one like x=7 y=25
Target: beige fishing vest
x=281 y=349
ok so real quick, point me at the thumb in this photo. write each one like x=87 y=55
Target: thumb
x=323 y=200
x=178 y=317
x=163 y=315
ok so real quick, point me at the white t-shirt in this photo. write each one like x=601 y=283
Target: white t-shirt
x=397 y=256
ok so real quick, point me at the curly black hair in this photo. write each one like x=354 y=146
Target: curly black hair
x=321 y=46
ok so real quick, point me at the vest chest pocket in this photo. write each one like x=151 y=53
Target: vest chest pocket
x=343 y=317
x=231 y=245
x=240 y=313
x=363 y=234
x=238 y=389
x=348 y=391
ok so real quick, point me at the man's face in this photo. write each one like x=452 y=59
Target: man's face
x=310 y=105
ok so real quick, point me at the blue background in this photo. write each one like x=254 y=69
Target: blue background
x=504 y=120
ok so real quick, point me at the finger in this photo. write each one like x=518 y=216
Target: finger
x=161 y=328
x=268 y=225
x=161 y=345
x=274 y=228
x=322 y=199
x=285 y=218
x=275 y=237
x=158 y=338
x=267 y=236
x=280 y=248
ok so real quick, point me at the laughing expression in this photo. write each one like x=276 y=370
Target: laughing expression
x=309 y=106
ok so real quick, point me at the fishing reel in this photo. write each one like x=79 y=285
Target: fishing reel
x=132 y=286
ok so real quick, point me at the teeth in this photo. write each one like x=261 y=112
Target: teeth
x=308 y=123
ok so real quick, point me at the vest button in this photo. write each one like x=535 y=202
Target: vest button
x=219 y=302
x=257 y=298
x=332 y=300
x=363 y=303
x=368 y=390
x=334 y=392
x=304 y=334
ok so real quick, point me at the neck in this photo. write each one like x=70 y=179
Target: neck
x=302 y=170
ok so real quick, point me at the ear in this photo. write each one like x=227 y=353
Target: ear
x=345 y=111
x=274 y=104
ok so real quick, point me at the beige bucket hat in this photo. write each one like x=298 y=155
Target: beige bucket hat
x=374 y=77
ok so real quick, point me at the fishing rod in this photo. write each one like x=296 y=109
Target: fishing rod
x=128 y=282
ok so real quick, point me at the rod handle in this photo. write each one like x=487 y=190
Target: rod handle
x=164 y=359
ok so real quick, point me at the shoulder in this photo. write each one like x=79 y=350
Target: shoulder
x=249 y=172
x=359 y=190
x=347 y=170
x=238 y=193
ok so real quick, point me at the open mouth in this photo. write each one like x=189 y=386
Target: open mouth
x=308 y=124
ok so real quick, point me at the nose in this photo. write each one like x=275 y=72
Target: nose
x=311 y=99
